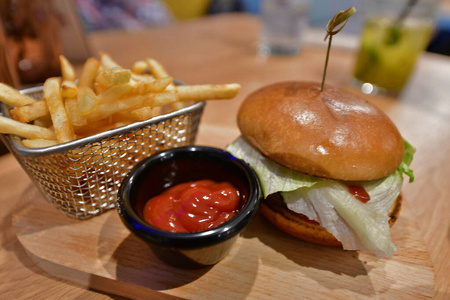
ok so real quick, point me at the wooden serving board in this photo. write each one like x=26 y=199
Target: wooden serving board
x=265 y=263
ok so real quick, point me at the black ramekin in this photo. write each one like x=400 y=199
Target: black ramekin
x=153 y=175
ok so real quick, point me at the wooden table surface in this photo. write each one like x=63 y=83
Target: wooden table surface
x=222 y=49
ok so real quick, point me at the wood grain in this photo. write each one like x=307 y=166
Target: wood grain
x=101 y=253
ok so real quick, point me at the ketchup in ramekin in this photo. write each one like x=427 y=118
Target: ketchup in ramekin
x=193 y=206
x=192 y=165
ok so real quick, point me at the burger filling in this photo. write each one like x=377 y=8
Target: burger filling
x=356 y=224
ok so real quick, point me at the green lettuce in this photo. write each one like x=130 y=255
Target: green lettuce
x=357 y=225
x=407 y=159
x=273 y=176
x=277 y=178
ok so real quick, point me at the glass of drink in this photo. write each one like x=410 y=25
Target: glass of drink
x=282 y=25
x=394 y=34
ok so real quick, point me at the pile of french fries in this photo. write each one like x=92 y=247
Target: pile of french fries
x=103 y=96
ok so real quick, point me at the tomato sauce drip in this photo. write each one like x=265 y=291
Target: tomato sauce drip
x=359 y=193
x=193 y=206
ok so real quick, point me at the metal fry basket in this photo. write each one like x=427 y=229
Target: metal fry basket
x=82 y=177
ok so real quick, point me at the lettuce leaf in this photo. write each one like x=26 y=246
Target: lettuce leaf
x=273 y=176
x=277 y=178
x=407 y=159
x=357 y=225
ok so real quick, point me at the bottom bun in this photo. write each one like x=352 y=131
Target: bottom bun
x=298 y=225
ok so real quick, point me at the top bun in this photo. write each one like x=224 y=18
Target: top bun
x=332 y=134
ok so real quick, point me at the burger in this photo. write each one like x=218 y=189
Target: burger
x=330 y=164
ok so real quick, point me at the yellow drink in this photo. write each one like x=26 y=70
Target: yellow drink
x=388 y=52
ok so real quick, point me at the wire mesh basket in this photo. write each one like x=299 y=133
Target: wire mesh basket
x=82 y=177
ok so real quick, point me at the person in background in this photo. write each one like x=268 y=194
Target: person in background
x=134 y=14
x=126 y=14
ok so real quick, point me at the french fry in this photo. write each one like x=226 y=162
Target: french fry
x=39 y=143
x=156 y=86
x=113 y=76
x=106 y=96
x=139 y=67
x=157 y=110
x=30 y=112
x=107 y=62
x=88 y=73
x=93 y=127
x=104 y=110
x=145 y=78
x=122 y=123
x=161 y=99
x=115 y=93
x=156 y=68
x=13 y=97
x=145 y=113
x=96 y=126
x=45 y=121
x=177 y=105
x=75 y=118
x=207 y=91
x=52 y=95
x=10 y=126
x=69 y=89
x=159 y=71
x=133 y=89
x=67 y=70
x=99 y=89
x=87 y=100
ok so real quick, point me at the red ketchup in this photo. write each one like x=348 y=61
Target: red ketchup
x=193 y=206
x=359 y=193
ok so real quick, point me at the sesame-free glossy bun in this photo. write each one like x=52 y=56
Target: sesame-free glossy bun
x=276 y=212
x=333 y=134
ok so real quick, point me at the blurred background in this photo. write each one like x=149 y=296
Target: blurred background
x=101 y=14
x=34 y=32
